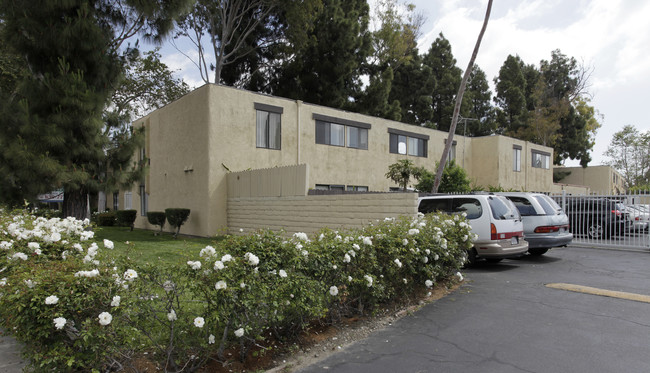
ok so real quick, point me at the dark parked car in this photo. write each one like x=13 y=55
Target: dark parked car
x=596 y=217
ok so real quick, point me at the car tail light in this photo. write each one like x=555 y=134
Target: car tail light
x=616 y=212
x=494 y=235
x=550 y=228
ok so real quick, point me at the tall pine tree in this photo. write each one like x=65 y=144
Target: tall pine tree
x=52 y=127
x=326 y=70
x=447 y=76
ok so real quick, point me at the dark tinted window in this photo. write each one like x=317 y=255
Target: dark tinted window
x=549 y=206
x=502 y=209
x=524 y=206
x=470 y=206
x=434 y=205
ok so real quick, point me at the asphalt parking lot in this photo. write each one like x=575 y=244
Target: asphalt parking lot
x=506 y=318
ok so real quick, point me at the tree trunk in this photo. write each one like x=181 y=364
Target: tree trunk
x=75 y=203
x=459 y=100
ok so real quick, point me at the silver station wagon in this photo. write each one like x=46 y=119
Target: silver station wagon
x=494 y=219
x=545 y=223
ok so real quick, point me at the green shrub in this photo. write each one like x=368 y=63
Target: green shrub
x=126 y=218
x=233 y=294
x=177 y=217
x=156 y=218
x=106 y=219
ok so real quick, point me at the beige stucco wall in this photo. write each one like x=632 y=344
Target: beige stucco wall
x=195 y=141
x=599 y=179
x=178 y=175
x=311 y=213
x=558 y=188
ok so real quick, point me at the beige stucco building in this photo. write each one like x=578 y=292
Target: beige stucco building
x=598 y=179
x=194 y=142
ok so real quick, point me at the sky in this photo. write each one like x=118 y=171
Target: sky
x=609 y=37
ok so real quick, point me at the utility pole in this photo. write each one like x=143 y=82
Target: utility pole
x=459 y=100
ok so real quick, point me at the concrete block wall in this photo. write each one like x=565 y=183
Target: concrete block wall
x=311 y=213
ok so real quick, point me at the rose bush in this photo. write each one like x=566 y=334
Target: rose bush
x=77 y=307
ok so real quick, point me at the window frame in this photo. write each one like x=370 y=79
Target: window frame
x=544 y=158
x=144 y=200
x=324 y=126
x=516 y=158
x=128 y=200
x=395 y=139
x=269 y=112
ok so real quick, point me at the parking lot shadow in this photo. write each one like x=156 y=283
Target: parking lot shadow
x=483 y=266
x=547 y=258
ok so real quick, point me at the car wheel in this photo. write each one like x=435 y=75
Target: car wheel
x=472 y=256
x=493 y=260
x=537 y=251
x=595 y=230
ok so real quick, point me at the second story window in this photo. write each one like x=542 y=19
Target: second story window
x=541 y=159
x=516 y=158
x=341 y=132
x=268 y=126
x=403 y=142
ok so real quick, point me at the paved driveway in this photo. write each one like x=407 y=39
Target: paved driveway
x=505 y=319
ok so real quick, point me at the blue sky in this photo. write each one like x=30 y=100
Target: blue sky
x=610 y=37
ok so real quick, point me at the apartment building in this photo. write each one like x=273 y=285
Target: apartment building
x=194 y=142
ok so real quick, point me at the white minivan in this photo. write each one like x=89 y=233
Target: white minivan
x=494 y=219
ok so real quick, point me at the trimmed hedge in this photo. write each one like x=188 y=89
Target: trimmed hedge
x=156 y=218
x=126 y=218
x=106 y=219
x=177 y=217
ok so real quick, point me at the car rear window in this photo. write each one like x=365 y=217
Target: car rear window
x=524 y=206
x=503 y=209
x=549 y=206
x=470 y=206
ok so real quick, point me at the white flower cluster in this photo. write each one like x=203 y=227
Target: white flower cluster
x=369 y=280
x=93 y=273
x=301 y=236
x=208 y=252
x=252 y=259
x=195 y=265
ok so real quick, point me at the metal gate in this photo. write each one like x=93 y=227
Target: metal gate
x=607 y=220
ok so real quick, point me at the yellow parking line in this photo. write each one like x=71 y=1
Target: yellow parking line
x=601 y=292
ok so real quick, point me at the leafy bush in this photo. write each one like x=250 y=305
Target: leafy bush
x=126 y=218
x=156 y=218
x=78 y=308
x=106 y=219
x=177 y=217
x=454 y=179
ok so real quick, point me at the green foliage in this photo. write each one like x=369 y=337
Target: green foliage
x=327 y=69
x=156 y=218
x=177 y=217
x=454 y=180
x=53 y=133
x=447 y=77
x=401 y=171
x=629 y=154
x=126 y=218
x=232 y=294
x=106 y=219
x=547 y=105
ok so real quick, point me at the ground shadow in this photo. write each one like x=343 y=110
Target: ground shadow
x=541 y=259
x=484 y=266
